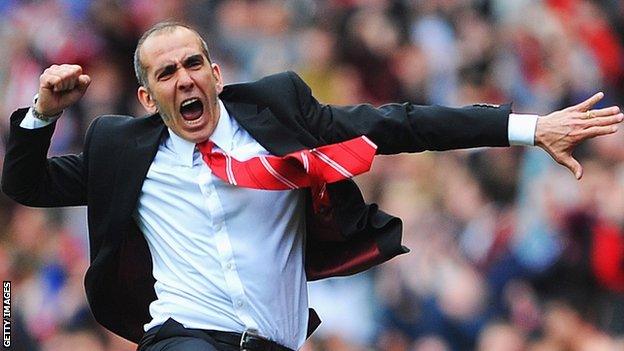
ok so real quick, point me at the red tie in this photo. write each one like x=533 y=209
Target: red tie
x=312 y=168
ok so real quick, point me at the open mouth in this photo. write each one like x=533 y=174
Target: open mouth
x=191 y=109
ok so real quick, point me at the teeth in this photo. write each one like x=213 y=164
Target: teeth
x=188 y=102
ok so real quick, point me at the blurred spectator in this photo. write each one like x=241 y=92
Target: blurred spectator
x=501 y=337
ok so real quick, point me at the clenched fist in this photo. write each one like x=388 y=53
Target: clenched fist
x=60 y=87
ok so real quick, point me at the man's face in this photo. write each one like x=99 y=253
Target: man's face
x=182 y=85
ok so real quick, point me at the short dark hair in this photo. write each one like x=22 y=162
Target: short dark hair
x=139 y=69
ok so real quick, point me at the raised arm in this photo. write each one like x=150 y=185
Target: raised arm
x=28 y=176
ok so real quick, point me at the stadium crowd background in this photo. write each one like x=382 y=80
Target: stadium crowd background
x=509 y=251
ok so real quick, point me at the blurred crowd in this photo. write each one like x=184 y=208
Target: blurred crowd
x=509 y=251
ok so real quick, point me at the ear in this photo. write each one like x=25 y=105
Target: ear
x=216 y=73
x=146 y=100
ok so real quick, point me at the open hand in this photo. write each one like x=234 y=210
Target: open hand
x=60 y=86
x=559 y=132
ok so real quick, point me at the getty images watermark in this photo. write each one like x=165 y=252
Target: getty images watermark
x=6 y=314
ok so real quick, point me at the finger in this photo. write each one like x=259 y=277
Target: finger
x=593 y=132
x=71 y=83
x=604 y=121
x=68 y=76
x=74 y=69
x=69 y=79
x=59 y=82
x=573 y=165
x=587 y=104
x=83 y=82
x=52 y=69
x=67 y=69
x=61 y=86
x=607 y=111
x=49 y=80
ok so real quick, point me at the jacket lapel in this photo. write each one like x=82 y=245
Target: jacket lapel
x=264 y=126
x=134 y=161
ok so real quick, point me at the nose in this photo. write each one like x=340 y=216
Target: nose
x=185 y=81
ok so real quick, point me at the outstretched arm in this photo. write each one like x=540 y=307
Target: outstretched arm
x=404 y=127
x=411 y=128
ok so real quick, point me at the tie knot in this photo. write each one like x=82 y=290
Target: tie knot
x=205 y=147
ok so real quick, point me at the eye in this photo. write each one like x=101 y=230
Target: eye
x=164 y=76
x=166 y=73
x=194 y=62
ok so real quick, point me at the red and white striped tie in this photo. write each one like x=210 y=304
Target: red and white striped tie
x=312 y=168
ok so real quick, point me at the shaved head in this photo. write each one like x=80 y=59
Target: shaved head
x=160 y=28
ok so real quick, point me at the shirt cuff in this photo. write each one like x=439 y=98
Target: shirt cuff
x=521 y=129
x=30 y=122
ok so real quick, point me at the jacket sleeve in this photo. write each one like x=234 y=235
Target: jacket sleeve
x=32 y=179
x=405 y=127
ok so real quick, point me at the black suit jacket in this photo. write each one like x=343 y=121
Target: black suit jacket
x=281 y=114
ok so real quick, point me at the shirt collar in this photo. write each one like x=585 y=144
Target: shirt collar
x=222 y=137
x=223 y=134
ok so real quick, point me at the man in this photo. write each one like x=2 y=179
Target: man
x=197 y=263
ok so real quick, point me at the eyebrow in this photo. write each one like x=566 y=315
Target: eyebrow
x=193 y=58
x=170 y=68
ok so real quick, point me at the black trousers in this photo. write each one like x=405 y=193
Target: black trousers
x=172 y=336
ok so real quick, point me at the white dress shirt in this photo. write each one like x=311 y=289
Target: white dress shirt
x=224 y=257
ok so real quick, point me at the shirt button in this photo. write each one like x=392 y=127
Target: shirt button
x=239 y=303
x=217 y=227
x=229 y=266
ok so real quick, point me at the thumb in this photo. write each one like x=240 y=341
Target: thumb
x=573 y=165
x=587 y=104
x=83 y=82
